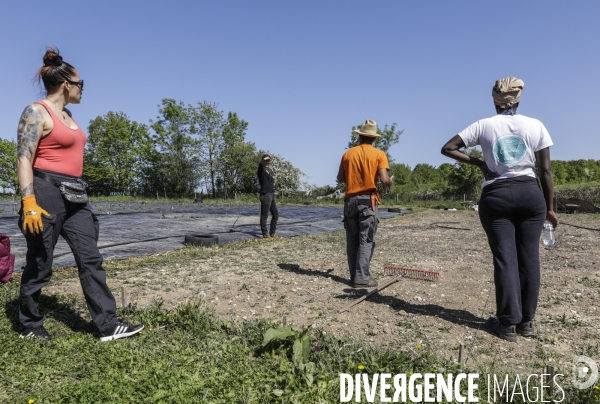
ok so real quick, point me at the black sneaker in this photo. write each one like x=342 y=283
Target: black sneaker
x=506 y=332
x=372 y=283
x=121 y=330
x=36 y=332
x=526 y=329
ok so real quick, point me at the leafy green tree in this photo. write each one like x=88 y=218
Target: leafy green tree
x=322 y=190
x=444 y=170
x=559 y=172
x=240 y=162
x=234 y=131
x=577 y=171
x=198 y=139
x=425 y=175
x=389 y=137
x=175 y=164
x=466 y=178
x=115 y=153
x=8 y=165
x=286 y=177
x=590 y=170
x=596 y=168
x=208 y=124
x=402 y=180
x=238 y=159
x=401 y=172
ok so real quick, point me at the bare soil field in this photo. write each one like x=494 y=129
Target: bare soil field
x=304 y=279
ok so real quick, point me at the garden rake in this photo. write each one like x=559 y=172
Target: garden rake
x=399 y=272
x=411 y=273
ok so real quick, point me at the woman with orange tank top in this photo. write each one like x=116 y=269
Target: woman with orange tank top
x=50 y=158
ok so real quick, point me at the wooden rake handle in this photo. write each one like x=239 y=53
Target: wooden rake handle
x=377 y=289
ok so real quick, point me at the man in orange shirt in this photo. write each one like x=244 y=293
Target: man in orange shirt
x=360 y=169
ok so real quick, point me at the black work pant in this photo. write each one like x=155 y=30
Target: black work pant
x=360 y=222
x=267 y=204
x=79 y=227
x=512 y=212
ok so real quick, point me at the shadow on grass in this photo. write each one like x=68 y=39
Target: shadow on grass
x=460 y=317
x=51 y=307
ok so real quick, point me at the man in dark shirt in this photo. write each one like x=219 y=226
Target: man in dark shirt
x=267 y=197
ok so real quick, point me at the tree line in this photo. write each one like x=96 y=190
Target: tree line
x=461 y=178
x=198 y=147
x=187 y=148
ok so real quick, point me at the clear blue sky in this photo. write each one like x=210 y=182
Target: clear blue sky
x=302 y=73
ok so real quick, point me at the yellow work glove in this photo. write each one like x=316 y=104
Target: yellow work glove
x=32 y=215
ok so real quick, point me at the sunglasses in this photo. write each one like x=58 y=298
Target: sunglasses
x=76 y=83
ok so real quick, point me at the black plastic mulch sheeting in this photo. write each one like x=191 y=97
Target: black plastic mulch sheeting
x=132 y=228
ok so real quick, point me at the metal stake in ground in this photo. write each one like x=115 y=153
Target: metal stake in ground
x=123 y=296
x=550 y=374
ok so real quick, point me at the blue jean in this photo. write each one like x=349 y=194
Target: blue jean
x=512 y=212
x=360 y=222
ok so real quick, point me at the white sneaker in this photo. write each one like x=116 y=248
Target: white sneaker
x=121 y=330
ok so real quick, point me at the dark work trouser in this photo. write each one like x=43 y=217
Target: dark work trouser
x=267 y=204
x=79 y=227
x=360 y=222
x=512 y=212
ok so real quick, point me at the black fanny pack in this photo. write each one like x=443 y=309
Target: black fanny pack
x=73 y=190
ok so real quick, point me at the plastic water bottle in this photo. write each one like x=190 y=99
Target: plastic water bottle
x=548 y=234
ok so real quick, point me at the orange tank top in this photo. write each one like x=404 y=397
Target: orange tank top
x=62 y=150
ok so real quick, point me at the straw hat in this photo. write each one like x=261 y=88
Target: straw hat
x=369 y=128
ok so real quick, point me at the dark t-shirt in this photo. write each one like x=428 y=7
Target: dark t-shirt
x=265 y=180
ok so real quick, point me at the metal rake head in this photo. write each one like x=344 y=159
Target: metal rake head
x=412 y=273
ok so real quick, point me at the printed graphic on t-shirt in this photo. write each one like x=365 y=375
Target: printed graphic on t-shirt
x=509 y=150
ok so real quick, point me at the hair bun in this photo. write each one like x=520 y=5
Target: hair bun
x=52 y=58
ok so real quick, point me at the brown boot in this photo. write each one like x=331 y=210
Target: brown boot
x=272 y=234
x=266 y=235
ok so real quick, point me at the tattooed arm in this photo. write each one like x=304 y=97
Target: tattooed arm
x=29 y=133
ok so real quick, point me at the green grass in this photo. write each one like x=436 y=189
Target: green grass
x=591 y=283
x=187 y=355
x=297 y=200
x=568 y=323
x=583 y=185
x=184 y=355
x=241 y=199
x=589 y=191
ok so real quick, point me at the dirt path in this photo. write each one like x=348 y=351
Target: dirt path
x=304 y=279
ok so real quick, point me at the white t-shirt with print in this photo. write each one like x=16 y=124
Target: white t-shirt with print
x=509 y=143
